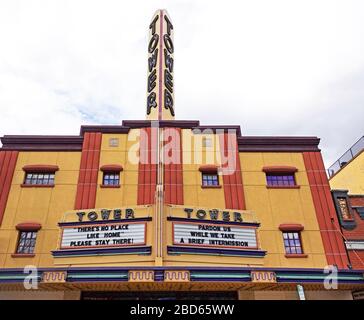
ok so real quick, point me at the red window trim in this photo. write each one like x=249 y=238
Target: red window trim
x=219 y=186
x=279 y=169
x=24 y=185
x=284 y=187
x=111 y=168
x=110 y=186
x=39 y=168
x=23 y=255
x=28 y=226
x=296 y=255
x=294 y=227
x=208 y=168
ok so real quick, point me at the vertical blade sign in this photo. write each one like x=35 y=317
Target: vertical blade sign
x=160 y=89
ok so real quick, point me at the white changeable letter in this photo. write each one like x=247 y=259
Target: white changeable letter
x=331 y=280
x=31 y=280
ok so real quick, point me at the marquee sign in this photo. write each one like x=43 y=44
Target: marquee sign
x=103 y=235
x=104 y=231
x=160 y=90
x=214 y=235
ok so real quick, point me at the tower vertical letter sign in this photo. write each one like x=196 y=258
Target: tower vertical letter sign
x=160 y=90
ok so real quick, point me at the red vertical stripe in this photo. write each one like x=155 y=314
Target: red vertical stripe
x=147 y=176
x=89 y=167
x=167 y=167
x=7 y=167
x=325 y=210
x=232 y=178
x=173 y=171
x=95 y=153
x=148 y=168
x=337 y=238
x=179 y=168
x=141 y=169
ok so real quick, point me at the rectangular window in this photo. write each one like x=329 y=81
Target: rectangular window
x=292 y=242
x=111 y=179
x=280 y=179
x=26 y=242
x=35 y=178
x=210 y=179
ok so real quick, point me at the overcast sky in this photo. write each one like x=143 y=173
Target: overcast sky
x=275 y=67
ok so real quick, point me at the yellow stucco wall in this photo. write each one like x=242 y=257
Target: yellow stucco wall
x=195 y=155
x=47 y=206
x=278 y=206
x=350 y=177
x=42 y=205
x=127 y=193
x=271 y=206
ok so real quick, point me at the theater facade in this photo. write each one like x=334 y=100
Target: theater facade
x=167 y=208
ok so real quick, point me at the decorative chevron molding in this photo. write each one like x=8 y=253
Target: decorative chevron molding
x=54 y=276
x=263 y=277
x=141 y=276
x=176 y=276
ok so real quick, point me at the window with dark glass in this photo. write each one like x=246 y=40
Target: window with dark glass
x=26 y=242
x=292 y=242
x=210 y=179
x=111 y=179
x=280 y=179
x=36 y=178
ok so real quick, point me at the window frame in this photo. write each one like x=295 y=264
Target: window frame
x=114 y=173
x=281 y=174
x=37 y=174
x=293 y=254
x=281 y=170
x=33 y=238
x=213 y=174
x=26 y=227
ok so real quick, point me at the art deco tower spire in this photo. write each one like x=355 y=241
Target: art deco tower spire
x=160 y=89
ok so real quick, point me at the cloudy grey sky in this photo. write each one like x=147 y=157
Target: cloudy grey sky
x=276 y=67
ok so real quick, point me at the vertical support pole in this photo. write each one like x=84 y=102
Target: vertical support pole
x=159 y=195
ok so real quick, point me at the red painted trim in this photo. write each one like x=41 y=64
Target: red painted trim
x=7 y=167
x=325 y=210
x=209 y=168
x=232 y=181
x=173 y=172
x=291 y=227
x=296 y=255
x=89 y=167
x=28 y=226
x=111 y=168
x=40 y=168
x=279 y=169
x=147 y=171
x=106 y=186
x=284 y=187
x=23 y=185
x=23 y=255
